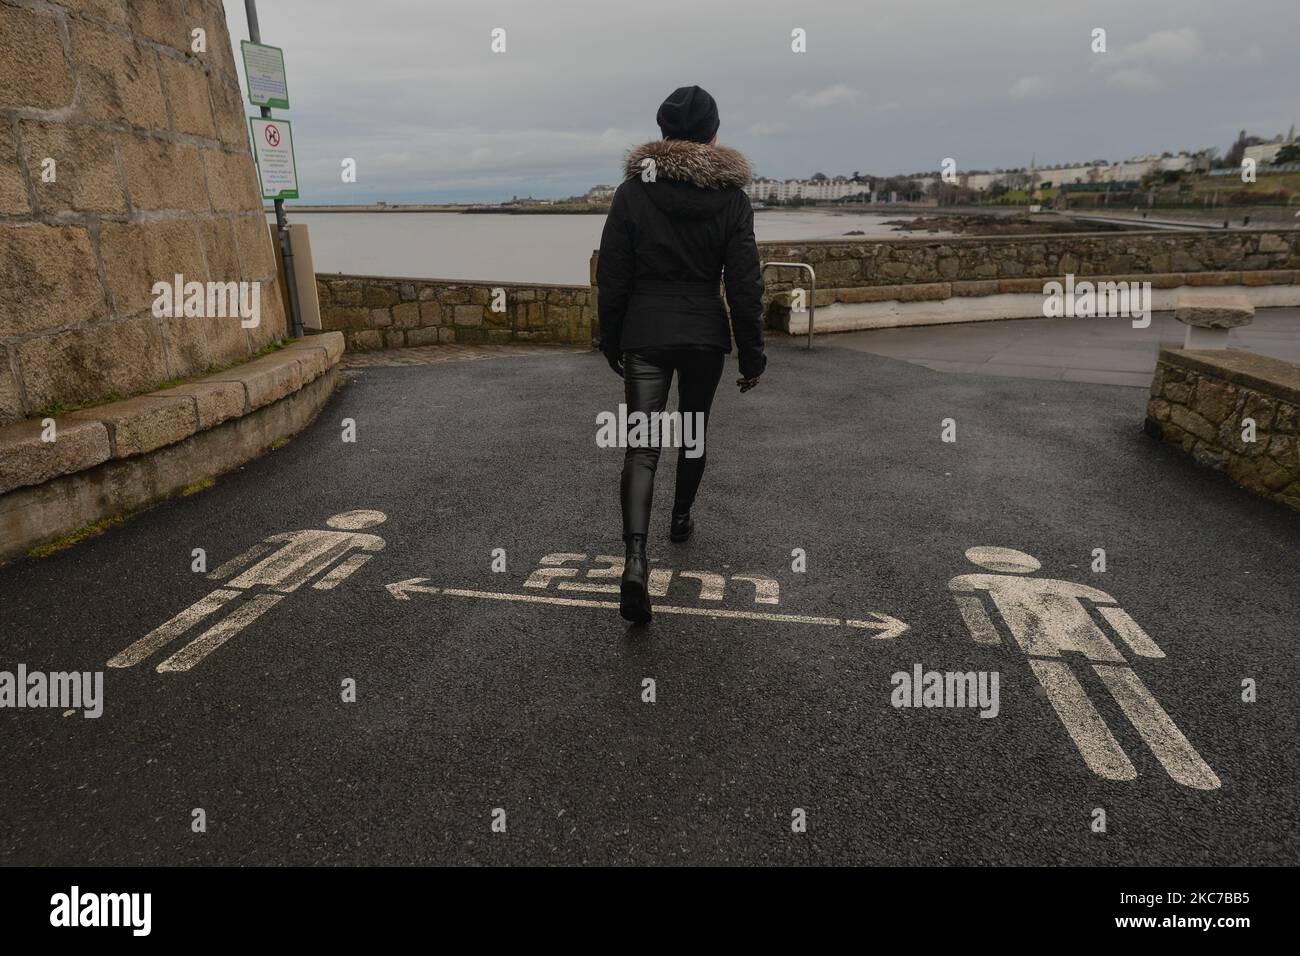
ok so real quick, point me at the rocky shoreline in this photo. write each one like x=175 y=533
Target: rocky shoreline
x=990 y=224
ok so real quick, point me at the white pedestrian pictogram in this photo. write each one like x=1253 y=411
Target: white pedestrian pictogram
x=303 y=556
x=1048 y=617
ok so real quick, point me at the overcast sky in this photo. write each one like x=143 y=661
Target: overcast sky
x=412 y=91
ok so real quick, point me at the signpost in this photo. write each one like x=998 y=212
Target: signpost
x=273 y=147
x=272 y=142
x=264 y=68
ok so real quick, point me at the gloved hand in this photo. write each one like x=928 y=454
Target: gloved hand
x=615 y=360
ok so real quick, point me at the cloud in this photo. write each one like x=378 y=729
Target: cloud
x=1027 y=87
x=415 y=95
x=472 y=159
x=822 y=99
x=1163 y=46
x=1131 y=78
x=1134 y=67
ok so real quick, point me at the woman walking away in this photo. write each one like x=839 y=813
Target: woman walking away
x=679 y=221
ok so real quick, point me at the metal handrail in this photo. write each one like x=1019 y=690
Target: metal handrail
x=812 y=292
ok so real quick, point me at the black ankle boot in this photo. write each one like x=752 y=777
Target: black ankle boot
x=682 y=527
x=635 y=598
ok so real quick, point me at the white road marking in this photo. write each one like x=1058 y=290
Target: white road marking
x=590 y=588
x=1097 y=745
x=1047 y=617
x=401 y=590
x=1138 y=640
x=1164 y=738
x=711 y=585
x=239 y=562
x=614 y=570
x=977 y=620
x=301 y=556
x=560 y=557
x=164 y=634
x=337 y=574
x=552 y=570
x=658 y=583
x=219 y=633
x=766 y=590
x=542 y=577
x=889 y=627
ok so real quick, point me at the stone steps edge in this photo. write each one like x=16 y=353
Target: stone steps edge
x=145 y=423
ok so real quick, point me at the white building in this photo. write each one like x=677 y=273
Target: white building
x=1130 y=169
x=783 y=190
x=1070 y=175
x=1265 y=153
x=981 y=182
x=1183 y=162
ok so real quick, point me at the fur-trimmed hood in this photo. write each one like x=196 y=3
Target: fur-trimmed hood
x=709 y=167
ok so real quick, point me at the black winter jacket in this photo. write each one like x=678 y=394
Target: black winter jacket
x=665 y=244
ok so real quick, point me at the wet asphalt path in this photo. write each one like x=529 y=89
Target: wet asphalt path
x=470 y=704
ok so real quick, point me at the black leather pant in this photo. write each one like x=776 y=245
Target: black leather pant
x=647 y=376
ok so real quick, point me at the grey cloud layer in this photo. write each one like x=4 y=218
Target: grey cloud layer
x=410 y=90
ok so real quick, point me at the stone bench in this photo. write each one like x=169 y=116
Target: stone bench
x=1209 y=318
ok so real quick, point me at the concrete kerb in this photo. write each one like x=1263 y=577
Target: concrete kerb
x=881 y=307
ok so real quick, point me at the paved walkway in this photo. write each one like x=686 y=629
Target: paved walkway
x=1103 y=351
x=447 y=352
x=461 y=657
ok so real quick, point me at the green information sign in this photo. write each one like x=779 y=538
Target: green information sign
x=277 y=171
x=264 y=67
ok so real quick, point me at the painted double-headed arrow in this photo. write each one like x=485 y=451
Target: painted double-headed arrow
x=886 y=627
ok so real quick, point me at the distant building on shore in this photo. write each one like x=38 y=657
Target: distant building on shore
x=1100 y=171
x=1266 y=153
x=762 y=189
x=841 y=188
